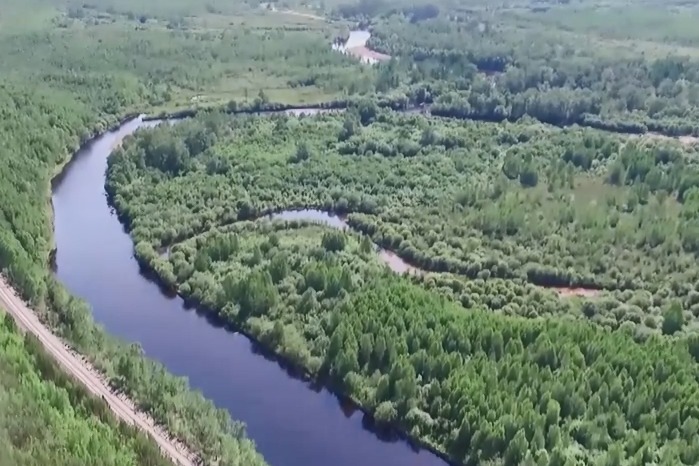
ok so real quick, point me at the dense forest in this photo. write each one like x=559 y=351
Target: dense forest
x=489 y=213
x=494 y=206
x=451 y=377
x=41 y=128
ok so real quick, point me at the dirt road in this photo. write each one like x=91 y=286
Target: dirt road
x=302 y=15
x=271 y=8
x=82 y=371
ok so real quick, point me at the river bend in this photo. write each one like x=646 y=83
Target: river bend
x=292 y=422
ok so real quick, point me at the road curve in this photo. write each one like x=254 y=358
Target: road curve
x=83 y=372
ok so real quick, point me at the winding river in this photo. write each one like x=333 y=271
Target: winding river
x=293 y=422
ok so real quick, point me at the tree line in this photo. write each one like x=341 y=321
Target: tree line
x=79 y=80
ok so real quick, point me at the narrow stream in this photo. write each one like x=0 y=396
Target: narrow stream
x=293 y=423
x=356 y=45
x=391 y=259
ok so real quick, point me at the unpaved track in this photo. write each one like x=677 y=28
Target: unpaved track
x=82 y=371
x=302 y=15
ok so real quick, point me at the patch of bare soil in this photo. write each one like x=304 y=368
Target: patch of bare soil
x=566 y=292
x=272 y=8
x=688 y=140
x=398 y=265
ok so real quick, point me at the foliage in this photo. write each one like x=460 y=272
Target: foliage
x=489 y=387
x=121 y=63
x=495 y=204
x=41 y=129
x=497 y=212
x=479 y=386
x=475 y=64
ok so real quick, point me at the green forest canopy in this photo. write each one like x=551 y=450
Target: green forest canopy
x=488 y=210
x=89 y=66
x=505 y=207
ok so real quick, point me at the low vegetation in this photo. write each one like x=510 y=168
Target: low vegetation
x=559 y=63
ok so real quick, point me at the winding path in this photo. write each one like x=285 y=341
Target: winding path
x=89 y=377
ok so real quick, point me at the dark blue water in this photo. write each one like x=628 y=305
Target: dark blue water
x=292 y=423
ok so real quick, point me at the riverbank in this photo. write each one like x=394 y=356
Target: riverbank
x=107 y=356
x=356 y=45
x=79 y=367
x=404 y=106
x=94 y=382
x=61 y=169
x=149 y=268
x=287 y=418
x=394 y=260
x=228 y=261
x=252 y=109
x=149 y=265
